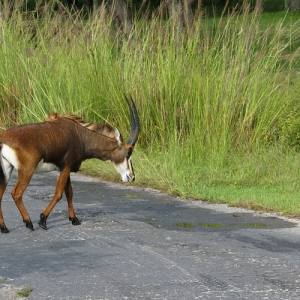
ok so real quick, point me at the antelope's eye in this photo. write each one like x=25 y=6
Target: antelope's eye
x=129 y=152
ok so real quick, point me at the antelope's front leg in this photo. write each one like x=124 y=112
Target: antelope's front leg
x=60 y=187
x=69 y=195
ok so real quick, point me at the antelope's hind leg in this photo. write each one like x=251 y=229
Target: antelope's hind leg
x=6 y=169
x=69 y=195
x=17 y=194
x=2 y=224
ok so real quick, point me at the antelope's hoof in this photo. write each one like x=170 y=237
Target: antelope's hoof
x=75 y=221
x=4 y=229
x=42 y=222
x=29 y=225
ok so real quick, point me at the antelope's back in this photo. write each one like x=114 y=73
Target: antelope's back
x=49 y=140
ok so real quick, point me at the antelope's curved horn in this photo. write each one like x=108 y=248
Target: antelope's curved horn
x=135 y=122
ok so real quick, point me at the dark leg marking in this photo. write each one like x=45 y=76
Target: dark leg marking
x=42 y=222
x=75 y=221
x=29 y=225
x=4 y=229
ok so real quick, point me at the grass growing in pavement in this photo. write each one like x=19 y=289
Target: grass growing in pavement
x=2 y=279
x=24 y=292
x=218 y=105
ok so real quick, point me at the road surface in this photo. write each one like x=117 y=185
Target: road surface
x=138 y=243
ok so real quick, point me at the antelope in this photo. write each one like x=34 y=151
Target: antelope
x=61 y=143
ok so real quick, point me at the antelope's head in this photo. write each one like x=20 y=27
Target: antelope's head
x=122 y=159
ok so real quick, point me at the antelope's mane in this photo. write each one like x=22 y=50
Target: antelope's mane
x=54 y=116
x=104 y=129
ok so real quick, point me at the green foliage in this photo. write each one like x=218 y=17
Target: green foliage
x=214 y=101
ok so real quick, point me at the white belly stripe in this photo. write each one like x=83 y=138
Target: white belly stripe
x=45 y=167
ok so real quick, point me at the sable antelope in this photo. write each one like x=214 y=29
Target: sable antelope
x=61 y=143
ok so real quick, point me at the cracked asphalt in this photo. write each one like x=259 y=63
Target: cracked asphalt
x=137 y=243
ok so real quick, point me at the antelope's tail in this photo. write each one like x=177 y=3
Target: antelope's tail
x=2 y=175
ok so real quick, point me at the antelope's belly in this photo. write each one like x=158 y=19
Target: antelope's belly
x=43 y=167
x=9 y=160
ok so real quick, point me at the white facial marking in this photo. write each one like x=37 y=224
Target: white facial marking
x=43 y=167
x=125 y=169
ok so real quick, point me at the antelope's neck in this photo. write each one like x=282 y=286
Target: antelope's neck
x=100 y=146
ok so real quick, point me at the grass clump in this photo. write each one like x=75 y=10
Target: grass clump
x=24 y=292
x=185 y=225
x=2 y=279
x=211 y=225
x=218 y=104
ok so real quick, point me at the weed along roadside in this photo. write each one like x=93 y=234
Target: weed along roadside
x=9 y=292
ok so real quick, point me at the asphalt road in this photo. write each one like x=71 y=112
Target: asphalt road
x=140 y=244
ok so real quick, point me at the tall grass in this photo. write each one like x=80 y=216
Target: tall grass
x=213 y=101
